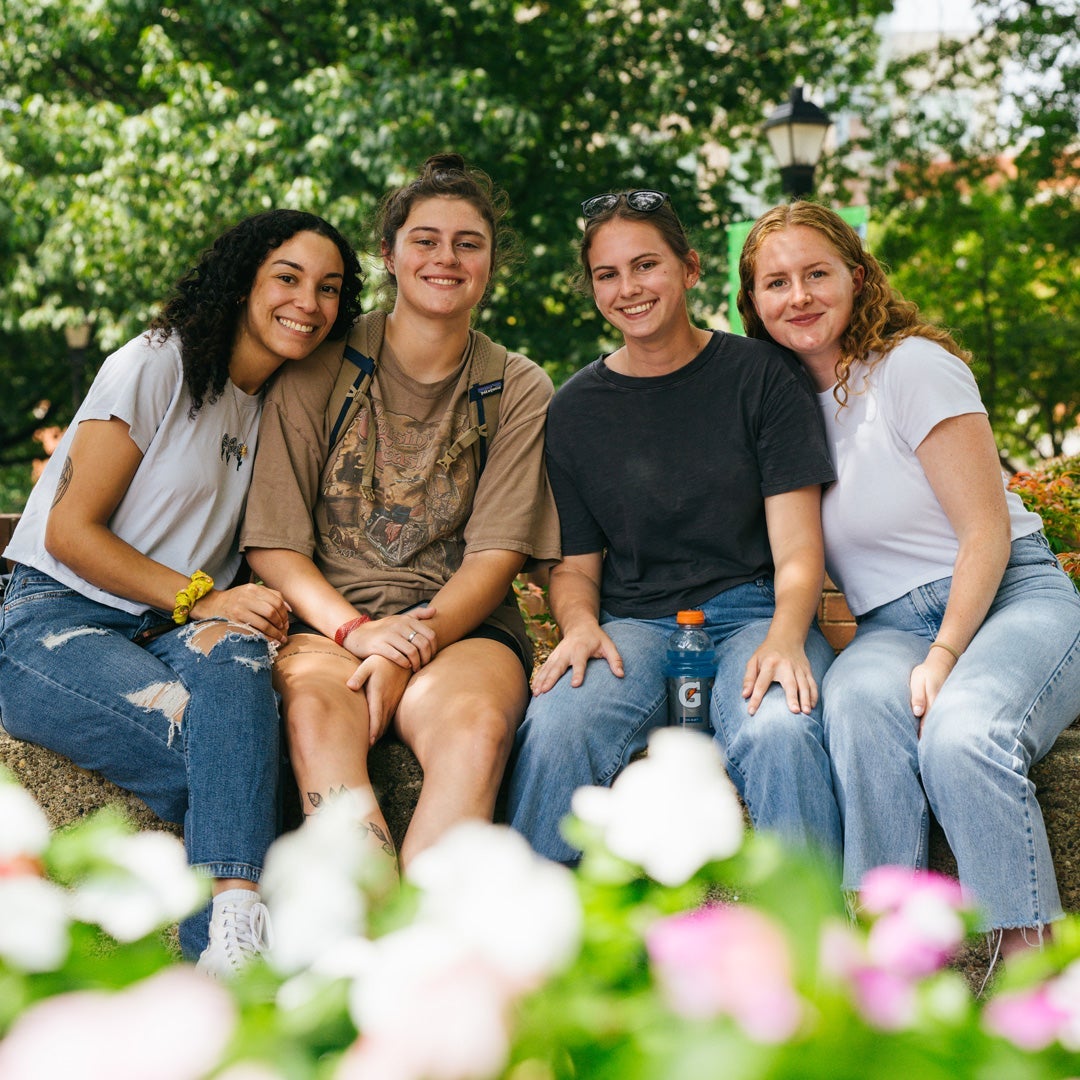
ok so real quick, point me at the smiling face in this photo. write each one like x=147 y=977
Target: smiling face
x=804 y=294
x=292 y=304
x=441 y=258
x=638 y=282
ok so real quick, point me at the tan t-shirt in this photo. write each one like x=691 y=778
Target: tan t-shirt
x=398 y=550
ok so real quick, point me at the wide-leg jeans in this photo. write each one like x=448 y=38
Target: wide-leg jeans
x=1011 y=693
x=576 y=736
x=187 y=721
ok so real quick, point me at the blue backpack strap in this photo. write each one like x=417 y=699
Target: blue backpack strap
x=357 y=386
x=477 y=393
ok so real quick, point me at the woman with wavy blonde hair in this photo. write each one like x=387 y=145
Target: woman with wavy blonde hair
x=966 y=663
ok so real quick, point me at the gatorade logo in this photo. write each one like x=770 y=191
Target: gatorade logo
x=690 y=695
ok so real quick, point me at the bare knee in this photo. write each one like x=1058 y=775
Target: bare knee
x=479 y=734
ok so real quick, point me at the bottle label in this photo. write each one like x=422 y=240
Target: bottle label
x=688 y=702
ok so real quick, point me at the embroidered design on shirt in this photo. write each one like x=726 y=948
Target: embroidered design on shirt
x=231 y=447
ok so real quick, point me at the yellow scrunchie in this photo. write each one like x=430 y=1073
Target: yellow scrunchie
x=186 y=598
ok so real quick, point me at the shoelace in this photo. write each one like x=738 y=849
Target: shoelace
x=247 y=932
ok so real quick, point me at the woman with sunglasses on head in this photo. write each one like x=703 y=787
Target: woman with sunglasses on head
x=122 y=645
x=396 y=544
x=966 y=663
x=687 y=468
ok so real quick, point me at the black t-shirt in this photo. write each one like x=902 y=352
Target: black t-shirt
x=667 y=475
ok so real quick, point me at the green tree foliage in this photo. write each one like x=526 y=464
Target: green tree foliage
x=133 y=131
x=977 y=213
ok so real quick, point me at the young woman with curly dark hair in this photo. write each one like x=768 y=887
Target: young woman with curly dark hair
x=122 y=645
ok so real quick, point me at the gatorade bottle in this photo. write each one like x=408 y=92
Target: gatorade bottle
x=690 y=668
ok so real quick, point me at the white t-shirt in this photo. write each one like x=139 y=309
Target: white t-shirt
x=885 y=531
x=184 y=503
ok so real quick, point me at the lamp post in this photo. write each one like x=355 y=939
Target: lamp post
x=77 y=336
x=796 y=132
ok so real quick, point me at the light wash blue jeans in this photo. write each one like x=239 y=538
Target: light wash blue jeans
x=186 y=722
x=576 y=736
x=1012 y=692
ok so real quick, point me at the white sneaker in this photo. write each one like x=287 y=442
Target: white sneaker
x=239 y=934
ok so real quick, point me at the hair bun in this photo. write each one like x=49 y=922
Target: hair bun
x=440 y=163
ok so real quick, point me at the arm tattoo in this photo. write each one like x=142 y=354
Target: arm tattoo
x=64 y=481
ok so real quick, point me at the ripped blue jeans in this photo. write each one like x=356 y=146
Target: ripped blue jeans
x=186 y=720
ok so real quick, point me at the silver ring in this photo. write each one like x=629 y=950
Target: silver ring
x=410 y=637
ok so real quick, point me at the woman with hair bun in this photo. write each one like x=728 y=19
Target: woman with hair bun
x=122 y=645
x=395 y=528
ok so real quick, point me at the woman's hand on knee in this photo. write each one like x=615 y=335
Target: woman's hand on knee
x=257 y=606
x=574 y=652
x=382 y=684
x=927 y=680
x=788 y=667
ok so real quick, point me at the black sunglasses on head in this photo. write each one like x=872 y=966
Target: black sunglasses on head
x=644 y=200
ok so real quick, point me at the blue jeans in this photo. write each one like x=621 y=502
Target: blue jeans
x=1012 y=692
x=187 y=721
x=573 y=737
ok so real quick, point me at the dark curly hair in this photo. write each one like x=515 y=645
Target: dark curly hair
x=880 y=318
x=204 y=306
x=448 y=175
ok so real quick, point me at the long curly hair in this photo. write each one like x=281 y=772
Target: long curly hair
x=205 y=305
x=448 y=175
x=880 y=318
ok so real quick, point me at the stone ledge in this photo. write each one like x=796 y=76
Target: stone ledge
x=68 y=793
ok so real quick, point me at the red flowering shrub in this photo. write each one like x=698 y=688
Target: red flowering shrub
x=1053 y=491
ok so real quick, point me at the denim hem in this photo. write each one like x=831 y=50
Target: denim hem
x=241 y=871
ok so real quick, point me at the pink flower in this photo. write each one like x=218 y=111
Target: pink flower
x=173 y=1026
x=888 y=888
x=727 y=960
x=1028 y=1018
x=919 y=924
x=885 y=999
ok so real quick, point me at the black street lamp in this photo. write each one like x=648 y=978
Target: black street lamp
x=796 y=132
x=78 y=338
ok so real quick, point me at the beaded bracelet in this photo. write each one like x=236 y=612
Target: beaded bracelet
x=947 y=648
x=187 y=597
x=346 y=628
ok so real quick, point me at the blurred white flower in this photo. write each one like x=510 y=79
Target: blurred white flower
x=26 y=829
x=33 y=923
x=145 y=884
x=313 y=882
x=428 y=1007
x=670 y=812
x=173 y=1026
x=488 y=889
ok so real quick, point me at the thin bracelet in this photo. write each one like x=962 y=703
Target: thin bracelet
x=947 y=648
x=346 y=628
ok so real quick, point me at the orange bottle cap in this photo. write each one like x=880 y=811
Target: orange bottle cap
x=691 y=618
